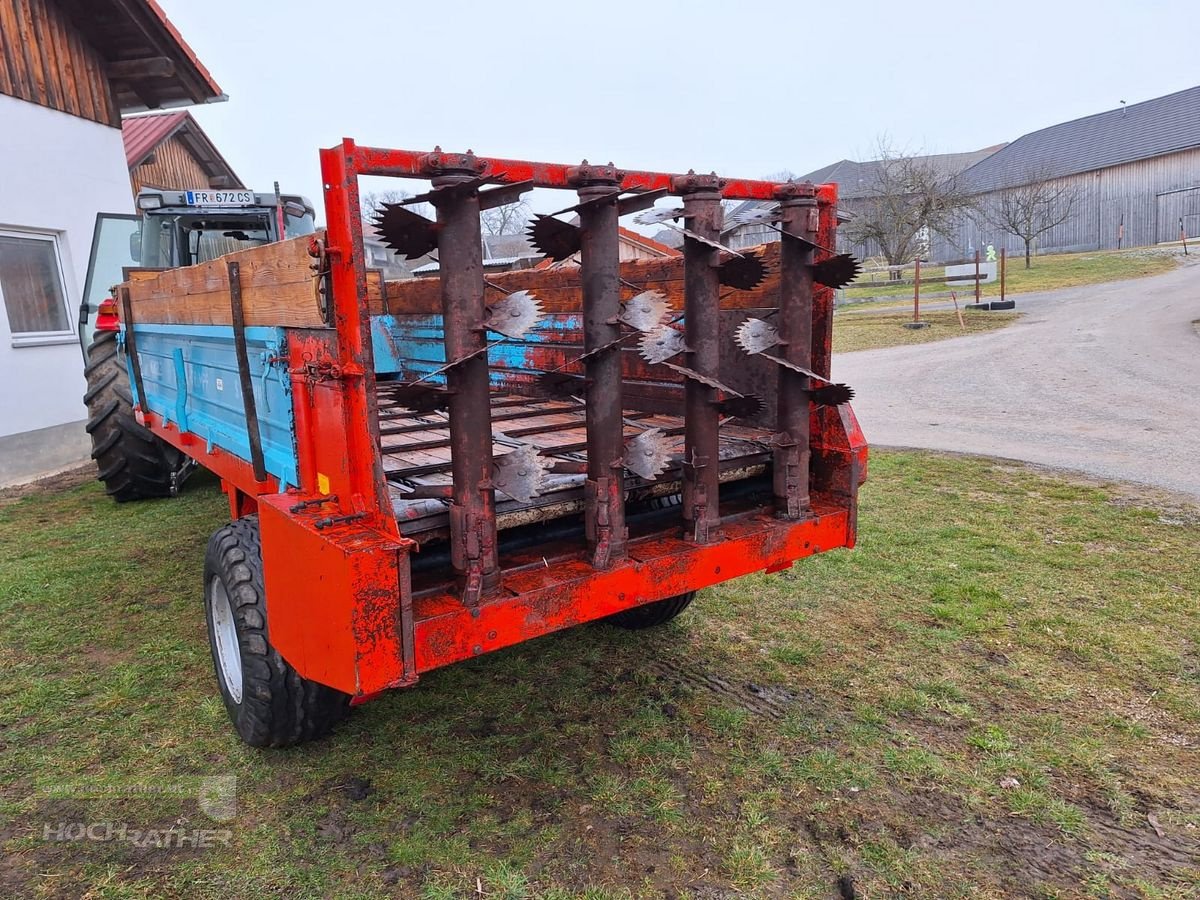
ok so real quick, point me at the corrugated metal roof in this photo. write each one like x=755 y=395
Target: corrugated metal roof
x=142 y=134
x=1140 y=131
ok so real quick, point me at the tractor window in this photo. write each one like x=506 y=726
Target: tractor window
x=211 y=237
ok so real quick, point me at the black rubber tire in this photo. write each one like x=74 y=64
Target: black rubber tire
x=278 y=707
x=652 y=614
x=133 y=463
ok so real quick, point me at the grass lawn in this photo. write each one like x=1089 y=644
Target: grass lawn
x=997 y=694
x=1047 y=274
x=854 y=330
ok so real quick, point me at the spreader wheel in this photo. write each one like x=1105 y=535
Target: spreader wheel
x=657 y=613
x=270 y=703
x=134 y=463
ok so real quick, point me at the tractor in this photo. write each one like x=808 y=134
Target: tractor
x=171 y=229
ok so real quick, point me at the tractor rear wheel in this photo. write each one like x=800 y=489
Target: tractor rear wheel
x=269 y=702
x=134 y=464
x=657 y=613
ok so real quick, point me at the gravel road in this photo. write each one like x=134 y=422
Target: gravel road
x=1102 y=379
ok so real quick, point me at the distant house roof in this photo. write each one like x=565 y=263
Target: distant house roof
x=495 y=262
x=655 y=248
x=1139 y=131
x=150 y=65
x=144 y=134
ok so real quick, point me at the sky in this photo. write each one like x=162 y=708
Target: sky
x=742 y=88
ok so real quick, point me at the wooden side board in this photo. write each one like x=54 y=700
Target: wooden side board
x=279 y=287
x=559 y=289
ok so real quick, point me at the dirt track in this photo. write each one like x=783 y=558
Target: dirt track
x=1103 y=379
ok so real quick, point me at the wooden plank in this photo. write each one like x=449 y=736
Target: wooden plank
x=16 y=54
x=37 y=77
x=83 y=93
x=66 y=63
x=559 y=289
x=278 y=288
x=45 y=51
x=7 y=73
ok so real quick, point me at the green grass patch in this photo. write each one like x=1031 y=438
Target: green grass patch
x=854 y=330
x=1047 y=273
x=995 y=694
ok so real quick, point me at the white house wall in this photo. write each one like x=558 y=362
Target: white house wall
x=57 y=172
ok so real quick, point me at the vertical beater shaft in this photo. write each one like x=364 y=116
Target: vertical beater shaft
x=798 y=205
x=702 y=331
x=604 y=510
x=473 y=503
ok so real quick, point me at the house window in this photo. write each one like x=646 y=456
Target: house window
x=31 y=287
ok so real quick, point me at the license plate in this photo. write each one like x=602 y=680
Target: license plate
x=219 y=198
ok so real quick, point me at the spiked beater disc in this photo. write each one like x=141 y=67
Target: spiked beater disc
x=693 y=375
x=757 y=215
x=741 y=407
x=661 y=344
x=646 y=311
x=405 y=231
x=754 y=336
x=438 y=195
x=660 y=215
x=514 y=315
x=837 y=271
x=744 y=273
x=554 y=238
x=832 y=395
x=648 y=454
x=520 y=474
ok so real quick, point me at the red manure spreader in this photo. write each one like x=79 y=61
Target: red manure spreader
x=426 y=470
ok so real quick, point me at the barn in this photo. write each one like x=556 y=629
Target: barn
x=1133 y=174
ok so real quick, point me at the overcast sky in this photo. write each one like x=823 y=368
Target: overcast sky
x=744 y=88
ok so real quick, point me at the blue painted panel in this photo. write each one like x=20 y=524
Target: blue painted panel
x=191 y=377
x=411 y=346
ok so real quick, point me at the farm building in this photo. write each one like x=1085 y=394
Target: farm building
x=1133 y=174
x=171 y=151
x=856 y=181
x=68 y=71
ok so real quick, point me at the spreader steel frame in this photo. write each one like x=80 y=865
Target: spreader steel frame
x=348 y=603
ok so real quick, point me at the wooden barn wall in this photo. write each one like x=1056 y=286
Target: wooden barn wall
x=1149 y=196
x=174 y=168
x=44 y=59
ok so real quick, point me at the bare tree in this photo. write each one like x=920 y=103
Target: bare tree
x=507 y=219
x=909 y=198
x=1030 y=209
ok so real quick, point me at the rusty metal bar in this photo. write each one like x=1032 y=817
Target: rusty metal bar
x=792 y=460
x=473 y=507
x=249 y=405
x=416 y=164
x=600 y=274
x=131 y=346
x=702 y=333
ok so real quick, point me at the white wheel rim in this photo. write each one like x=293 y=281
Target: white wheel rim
x=229 y=655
